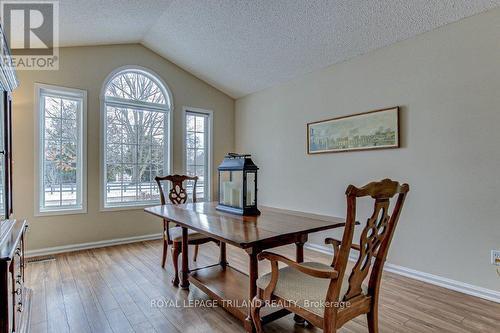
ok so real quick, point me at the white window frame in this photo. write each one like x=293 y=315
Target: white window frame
x=210 y=116
x=169 y=109
x=39 y=141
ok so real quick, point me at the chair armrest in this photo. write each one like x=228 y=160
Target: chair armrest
x=336 y=248
x=336 y=243
x=315 y=272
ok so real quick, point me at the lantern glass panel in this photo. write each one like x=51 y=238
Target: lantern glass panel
x=250 y=198
x=231 y=188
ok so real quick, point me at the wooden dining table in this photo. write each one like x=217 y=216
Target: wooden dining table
x=232 y=288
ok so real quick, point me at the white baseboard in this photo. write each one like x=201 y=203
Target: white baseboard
x=465 y=288
x=90 y=245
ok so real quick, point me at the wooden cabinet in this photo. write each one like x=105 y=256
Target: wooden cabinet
x=8 y=82
x=15 y=298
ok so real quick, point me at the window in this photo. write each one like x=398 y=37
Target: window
x=136 y=111
x=61 y=150
x=3 y=213
x=197 y=142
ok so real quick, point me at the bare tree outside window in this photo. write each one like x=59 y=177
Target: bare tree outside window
x=61 y=141
x=136 y=126
x=61 y=149
x=197 y=151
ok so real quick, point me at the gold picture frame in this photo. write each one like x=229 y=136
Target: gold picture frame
x=378 y=129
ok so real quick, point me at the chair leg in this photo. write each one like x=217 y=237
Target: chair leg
x=176 y=250
x=165 y=252
x=330 y=320
x=372 y=317
x=256 y=305
x=329 y=326
x=195 y=256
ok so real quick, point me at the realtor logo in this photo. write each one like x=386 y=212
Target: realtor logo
x=32 y=32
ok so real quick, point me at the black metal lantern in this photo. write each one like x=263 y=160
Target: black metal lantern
x=238 y=185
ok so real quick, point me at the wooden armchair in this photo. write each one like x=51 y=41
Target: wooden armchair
x=326 y=296
x=173 y=235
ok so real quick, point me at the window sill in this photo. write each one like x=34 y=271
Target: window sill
x=61 y=212
x=131 y=207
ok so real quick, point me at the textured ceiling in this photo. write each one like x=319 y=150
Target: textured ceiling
x=244 y=46
x=91 y=22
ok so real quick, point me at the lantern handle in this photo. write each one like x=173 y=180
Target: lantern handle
x=236 y=155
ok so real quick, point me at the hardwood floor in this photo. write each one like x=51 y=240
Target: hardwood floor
x=112 y=290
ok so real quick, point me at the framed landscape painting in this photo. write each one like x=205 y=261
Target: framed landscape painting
x=377 y=129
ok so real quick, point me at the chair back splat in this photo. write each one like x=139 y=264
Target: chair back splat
x=177 y=193
x=374 y=242
x=377 y=233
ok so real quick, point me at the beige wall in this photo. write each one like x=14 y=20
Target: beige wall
x=447 y=82
x=86 y=68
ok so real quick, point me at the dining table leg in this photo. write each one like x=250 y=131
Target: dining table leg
x=185 y=260
x=223 y=257
x=253 y=276
x=299 y=247
x=299 y=252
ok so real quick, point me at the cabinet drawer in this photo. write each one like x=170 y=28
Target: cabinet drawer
x=18 y=288
x=14 y=296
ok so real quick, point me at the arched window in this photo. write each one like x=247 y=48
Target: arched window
x=136 y=107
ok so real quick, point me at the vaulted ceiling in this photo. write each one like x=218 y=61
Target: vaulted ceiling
x=243 y=46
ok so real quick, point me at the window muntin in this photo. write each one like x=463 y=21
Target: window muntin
x=136 y=86
x=197 y=151
x=61 y=165
x=136 y=138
